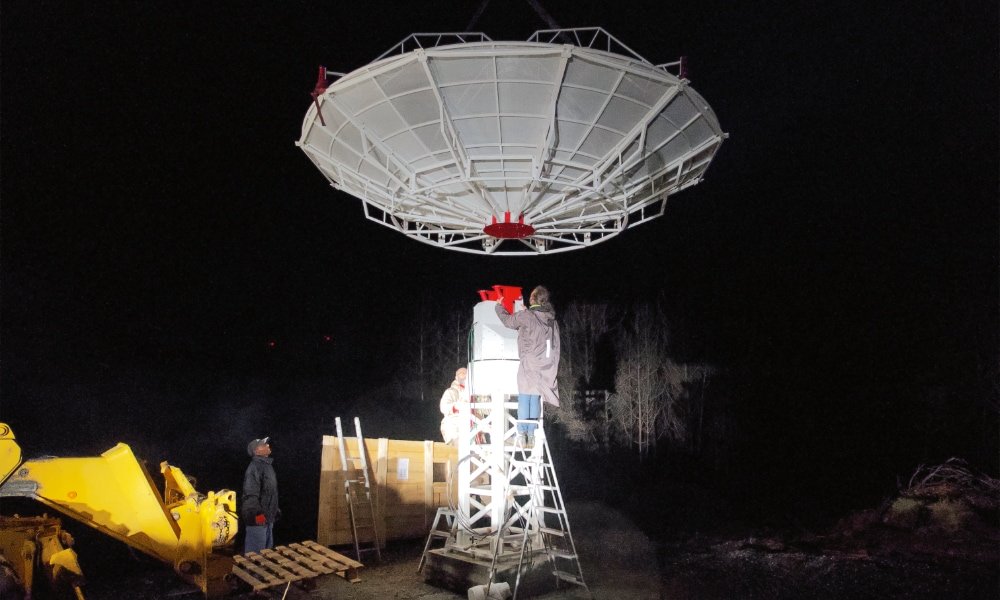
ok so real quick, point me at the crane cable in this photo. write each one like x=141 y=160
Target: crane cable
x=539 y=10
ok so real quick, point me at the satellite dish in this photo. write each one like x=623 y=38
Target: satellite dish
x=511 y=148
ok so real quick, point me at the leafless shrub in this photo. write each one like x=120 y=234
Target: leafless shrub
x=953 y=475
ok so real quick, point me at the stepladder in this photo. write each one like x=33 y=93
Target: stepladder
x=537 y=513
x=443 y=528
x=359 y=494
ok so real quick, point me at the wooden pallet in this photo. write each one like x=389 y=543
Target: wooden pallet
x=293 y=563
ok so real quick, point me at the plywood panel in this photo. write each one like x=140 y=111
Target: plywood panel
x=406 y=495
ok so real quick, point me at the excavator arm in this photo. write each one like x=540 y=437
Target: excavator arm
x=114 y=494
x=10 y=452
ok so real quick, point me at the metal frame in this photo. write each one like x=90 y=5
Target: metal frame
x=484 y=478
x=446 y=133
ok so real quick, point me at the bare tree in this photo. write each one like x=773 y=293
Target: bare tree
x=652 y=399
x=637 y=404
x=455 y=340
x=449 y=350
x=581 y=327
x=431 y=351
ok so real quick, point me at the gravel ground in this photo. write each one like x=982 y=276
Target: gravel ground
x=620 y=563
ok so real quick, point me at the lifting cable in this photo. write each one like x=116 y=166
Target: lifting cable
x=539 y=10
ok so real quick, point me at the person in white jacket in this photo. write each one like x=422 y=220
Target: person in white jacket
x=449 y=407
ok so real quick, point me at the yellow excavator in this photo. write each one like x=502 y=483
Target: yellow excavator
x=114 y=494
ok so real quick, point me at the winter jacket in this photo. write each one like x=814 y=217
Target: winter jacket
x=537 y=348
x=260 y=490
x=449 y=408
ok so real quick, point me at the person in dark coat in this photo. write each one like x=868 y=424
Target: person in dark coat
x=538 y=351
x=260 y=497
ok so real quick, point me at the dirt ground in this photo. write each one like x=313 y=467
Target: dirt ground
x=618 y=561
x=858 y=560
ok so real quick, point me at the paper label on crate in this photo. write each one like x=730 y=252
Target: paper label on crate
x=403 y=469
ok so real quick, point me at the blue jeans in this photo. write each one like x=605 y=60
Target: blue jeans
x=258 y=537
x=528 y=407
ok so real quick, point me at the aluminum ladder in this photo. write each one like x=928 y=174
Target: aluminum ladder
x=535 y=499
x=358 y=492
x=443 y=528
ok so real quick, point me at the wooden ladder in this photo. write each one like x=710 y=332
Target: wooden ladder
x=358 y=492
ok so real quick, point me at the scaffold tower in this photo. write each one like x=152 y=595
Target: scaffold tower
x=510 y=517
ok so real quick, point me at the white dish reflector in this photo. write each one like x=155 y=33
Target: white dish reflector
x=511 y=148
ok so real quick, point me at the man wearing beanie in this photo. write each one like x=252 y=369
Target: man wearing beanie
x=260 y=497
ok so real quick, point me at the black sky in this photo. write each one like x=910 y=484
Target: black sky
x=157 y=216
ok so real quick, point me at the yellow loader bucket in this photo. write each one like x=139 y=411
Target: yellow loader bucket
x=10 y=452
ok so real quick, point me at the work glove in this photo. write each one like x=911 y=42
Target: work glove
x=260 y=519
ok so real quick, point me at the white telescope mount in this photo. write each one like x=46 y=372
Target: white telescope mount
x=510 y=513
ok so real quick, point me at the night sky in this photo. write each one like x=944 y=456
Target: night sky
x=159 y=227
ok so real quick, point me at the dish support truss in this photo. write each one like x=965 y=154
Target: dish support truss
x=511 y=148
x=483 y=476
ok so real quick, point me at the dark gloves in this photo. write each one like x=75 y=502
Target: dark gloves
x=260 y=519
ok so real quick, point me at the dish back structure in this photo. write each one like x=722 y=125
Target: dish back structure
x=511 y=148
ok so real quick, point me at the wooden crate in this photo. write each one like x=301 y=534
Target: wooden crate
x=411 y=480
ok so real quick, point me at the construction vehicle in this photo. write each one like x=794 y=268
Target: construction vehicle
x=31 y=546
x=114 y=494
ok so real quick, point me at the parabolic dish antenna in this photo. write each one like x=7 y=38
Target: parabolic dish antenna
x=511 y=148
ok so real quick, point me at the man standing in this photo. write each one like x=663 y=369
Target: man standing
x=538 y=351
x=449 y=407
x=260 y=497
